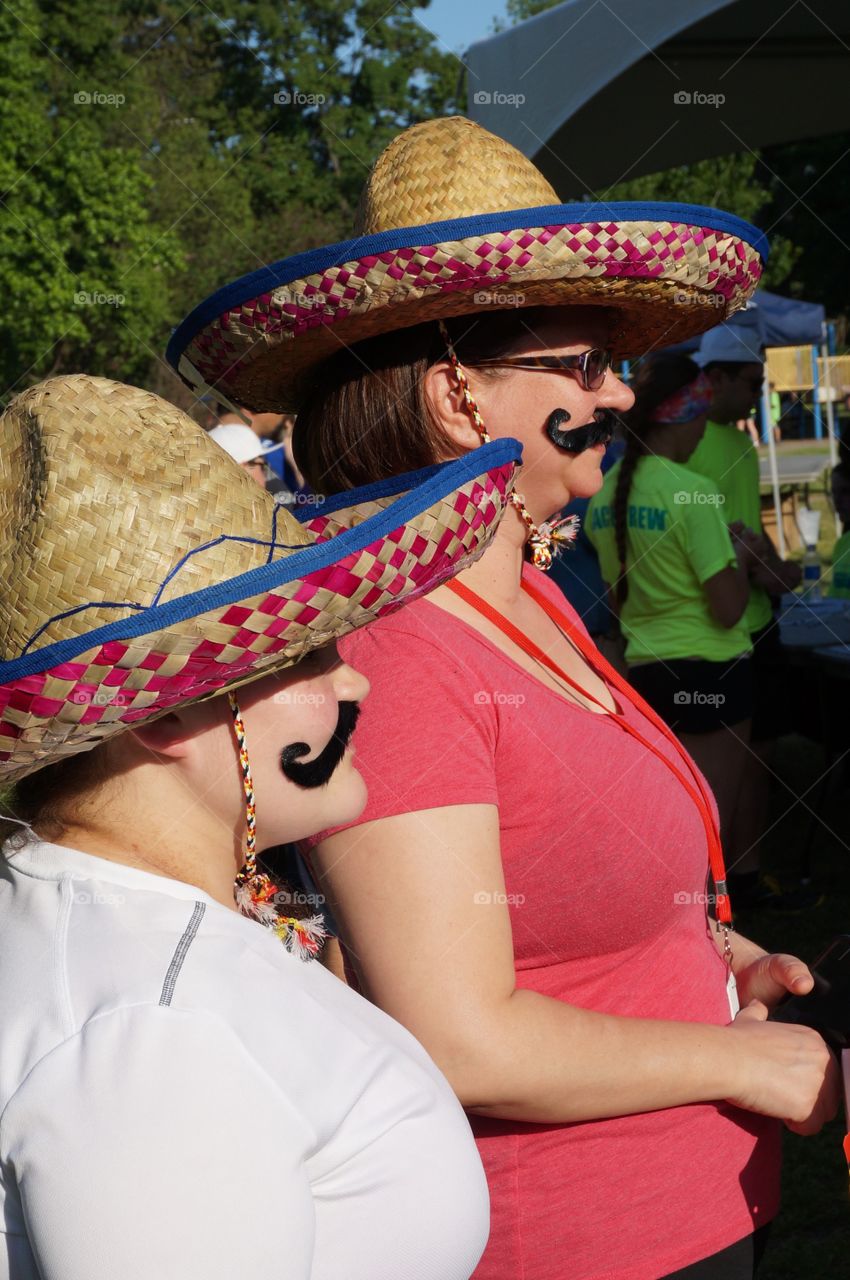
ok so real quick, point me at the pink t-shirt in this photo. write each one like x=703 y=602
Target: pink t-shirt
x=605 y=865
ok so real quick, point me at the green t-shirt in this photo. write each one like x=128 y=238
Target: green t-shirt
x=676 y=540
x=840 y=586
x=729 y=458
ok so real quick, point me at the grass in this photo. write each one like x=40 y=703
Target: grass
x=810 y=1236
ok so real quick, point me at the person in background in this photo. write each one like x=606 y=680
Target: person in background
x=775 y=412
x=289 y=469
x=840 y=585
x=244 y=447
x=678 y=582
x=576 y=571
x=275 y=432
x=732 y=356
x=265 y=425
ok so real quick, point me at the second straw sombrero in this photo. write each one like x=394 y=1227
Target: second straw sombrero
x=454 y=220
x=143 y=568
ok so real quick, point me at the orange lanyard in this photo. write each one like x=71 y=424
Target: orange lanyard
x=606 y=672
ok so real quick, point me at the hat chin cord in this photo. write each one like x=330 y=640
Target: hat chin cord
x=255 y=893
x=542 y=539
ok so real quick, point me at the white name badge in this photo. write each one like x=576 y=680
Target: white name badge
x=732 y=994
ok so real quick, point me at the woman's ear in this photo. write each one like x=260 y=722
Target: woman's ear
x=169 y=735
x=445 y=397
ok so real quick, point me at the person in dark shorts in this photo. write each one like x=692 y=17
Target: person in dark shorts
x=732 y=357
x=678 y=579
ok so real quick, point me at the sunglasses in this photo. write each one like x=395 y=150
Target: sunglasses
x=591 y=366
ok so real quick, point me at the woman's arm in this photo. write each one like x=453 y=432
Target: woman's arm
x=728 y=593
x=420 y=900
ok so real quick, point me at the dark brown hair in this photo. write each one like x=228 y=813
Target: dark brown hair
x=657 y=377
x=46 y=799
x=368 y=416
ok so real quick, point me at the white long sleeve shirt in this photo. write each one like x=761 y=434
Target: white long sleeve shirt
x=181 y=1099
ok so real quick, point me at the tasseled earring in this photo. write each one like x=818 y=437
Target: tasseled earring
x=543 y=540
x=255 y=893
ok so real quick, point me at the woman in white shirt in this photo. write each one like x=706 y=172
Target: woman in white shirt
x=181 y=1095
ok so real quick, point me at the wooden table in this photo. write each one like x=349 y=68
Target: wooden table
x=794 y=469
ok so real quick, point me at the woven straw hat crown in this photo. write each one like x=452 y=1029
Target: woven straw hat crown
x=95 y=514
x=443 y=169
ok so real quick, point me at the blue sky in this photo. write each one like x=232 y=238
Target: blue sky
x=459 y=23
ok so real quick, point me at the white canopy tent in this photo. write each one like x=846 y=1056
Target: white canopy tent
x=596 y=91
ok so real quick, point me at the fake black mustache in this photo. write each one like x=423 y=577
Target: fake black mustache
x=600 y=431
x=315 y=773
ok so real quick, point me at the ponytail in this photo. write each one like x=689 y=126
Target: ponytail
x=635 y=450
x=657 y=378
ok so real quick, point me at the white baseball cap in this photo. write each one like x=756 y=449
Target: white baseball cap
x=243 y=444
x=740 y=343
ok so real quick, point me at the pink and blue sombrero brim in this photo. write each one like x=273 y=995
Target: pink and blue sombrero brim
x=666 y=271
x=376 y=548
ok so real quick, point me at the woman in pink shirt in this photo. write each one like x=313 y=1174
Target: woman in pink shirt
x=527 y=888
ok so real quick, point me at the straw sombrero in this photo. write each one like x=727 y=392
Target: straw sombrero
x=453 y=220
x=143 y=568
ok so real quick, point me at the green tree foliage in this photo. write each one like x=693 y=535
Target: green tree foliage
x=216 y=139
x=150 y=151
x=809 y=184
x=81 y=262
x=726 y=182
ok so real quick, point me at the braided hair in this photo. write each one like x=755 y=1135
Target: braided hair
x=658 y=376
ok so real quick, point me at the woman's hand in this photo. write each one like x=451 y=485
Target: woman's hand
x=784 y=1070
x=770 y=977
x=748 y=546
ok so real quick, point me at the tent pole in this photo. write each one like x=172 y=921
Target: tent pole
x=774 y=470
x=830 y=407
x=816 y=409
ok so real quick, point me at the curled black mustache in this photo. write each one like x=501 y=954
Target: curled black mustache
x=600 y=431
x=315 y=773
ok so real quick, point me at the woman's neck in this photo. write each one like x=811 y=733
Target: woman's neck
x=669 y=442
x=201 y=853
x=497 y=575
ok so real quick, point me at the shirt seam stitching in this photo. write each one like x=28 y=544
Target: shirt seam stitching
x=180 y=952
